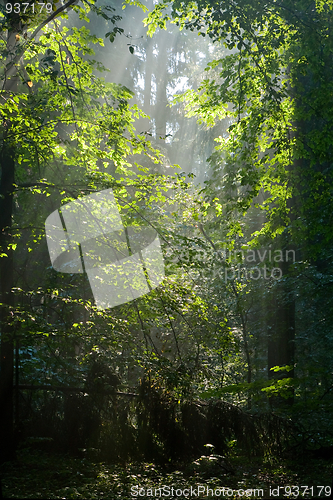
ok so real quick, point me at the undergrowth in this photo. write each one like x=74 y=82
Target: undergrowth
x=38 y=474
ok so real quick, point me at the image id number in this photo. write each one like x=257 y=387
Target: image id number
x=22 y=8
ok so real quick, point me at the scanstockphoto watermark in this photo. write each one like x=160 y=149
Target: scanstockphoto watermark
x=252 y=264
x=88 y=235
x=254 y=273
x=243 y=264
x=167 y=491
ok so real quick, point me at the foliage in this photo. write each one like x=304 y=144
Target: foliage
x=202 y=334
x=274 y=81
x=272 y=175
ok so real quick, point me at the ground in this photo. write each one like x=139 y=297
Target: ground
x=38 y=474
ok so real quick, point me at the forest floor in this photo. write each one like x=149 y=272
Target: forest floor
x=37 y=474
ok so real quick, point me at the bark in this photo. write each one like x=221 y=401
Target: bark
x=7 y=179
x=281 y=337
x=7 y=303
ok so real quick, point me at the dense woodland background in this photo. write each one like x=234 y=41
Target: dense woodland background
x=212 y=123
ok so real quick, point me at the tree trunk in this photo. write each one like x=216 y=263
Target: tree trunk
x=7 y=179
x=281 y=337
x=7 y=302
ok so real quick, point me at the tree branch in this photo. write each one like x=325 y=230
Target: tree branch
x=30 y=39
x=31 y=387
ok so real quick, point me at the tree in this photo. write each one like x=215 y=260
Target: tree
x=207 y=329
x=63 y=131
x=276 y=156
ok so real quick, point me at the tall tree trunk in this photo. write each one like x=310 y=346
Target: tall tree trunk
x=7 y=169
x=161 y=110
x=282 y=323
x=6 y=304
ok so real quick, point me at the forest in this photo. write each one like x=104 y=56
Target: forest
x=166 y=249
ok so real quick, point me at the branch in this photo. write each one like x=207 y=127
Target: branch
x=25 y=46
x=30 y=387
x=51 y=17
x=34 y=184
x=207 y=237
